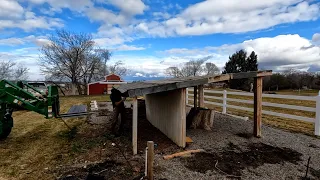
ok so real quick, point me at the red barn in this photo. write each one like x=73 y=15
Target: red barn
x=104 y=87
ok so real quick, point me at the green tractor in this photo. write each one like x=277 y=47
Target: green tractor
x=22 y=95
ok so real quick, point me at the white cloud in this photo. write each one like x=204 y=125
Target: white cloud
x=28 y=58
x=316 y=38
x=31 y=22
x=128 y=7
x=125 y=47
x=277 y=53
x=37 y=40
x=57 y=5
x=10 y=9
x=233 y=16
x=105 y=15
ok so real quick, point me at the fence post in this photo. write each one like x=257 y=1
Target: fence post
x=224 y=109
x=317 y=122
x=187 y=96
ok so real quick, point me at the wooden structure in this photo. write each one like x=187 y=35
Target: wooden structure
x=166 y=102
x=104 y=87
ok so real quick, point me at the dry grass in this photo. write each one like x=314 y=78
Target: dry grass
x=279 y=122
x=36 y=145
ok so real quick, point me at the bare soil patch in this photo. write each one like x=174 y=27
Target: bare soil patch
x=232 y=161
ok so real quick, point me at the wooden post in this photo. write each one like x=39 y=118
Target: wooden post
x=317 y=122
x=201 y=96
x=195 y=96
x=224 y=108
x=135 y=125
x=187 y=96
x=150 y=159
x=257 y=115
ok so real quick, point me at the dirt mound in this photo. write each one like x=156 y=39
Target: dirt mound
x=233 y=160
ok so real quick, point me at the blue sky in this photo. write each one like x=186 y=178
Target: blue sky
x=152 y=35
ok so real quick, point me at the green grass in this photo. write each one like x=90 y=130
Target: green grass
x=36 y=143
x=279 y=122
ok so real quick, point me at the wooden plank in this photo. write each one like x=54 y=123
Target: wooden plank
x=257 y=114
x=301 y=118
x=183 y=153
x=302 y=98
x=222 y=77
x=286 y=106
x=214 y=92
x=150 y=160
x=195 y=96
x=135 y=125
x=150 y=87
x=214 y=97
x=201 y=96
x=169 y=118
x=240 y=93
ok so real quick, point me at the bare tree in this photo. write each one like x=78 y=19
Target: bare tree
x=71 y=56
x=11 y=71
x=174 y=72
x=6 y=69
x=211 y=69
x=105 y=55
x=191 y=68
x=20 y=72
x=118 y=68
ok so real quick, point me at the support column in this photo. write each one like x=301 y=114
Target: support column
x=201 y=96
x=150 y=159
x=195 y=96
x=135 y=125
x=257 y=115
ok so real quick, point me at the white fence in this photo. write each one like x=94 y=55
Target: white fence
x=225 y=105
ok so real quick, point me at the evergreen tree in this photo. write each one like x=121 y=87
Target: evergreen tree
x=239 y=62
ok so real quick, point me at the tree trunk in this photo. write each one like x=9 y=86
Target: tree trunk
x=199 y=118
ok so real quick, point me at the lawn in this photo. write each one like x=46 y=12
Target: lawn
x=36 y=146
x=279 y=122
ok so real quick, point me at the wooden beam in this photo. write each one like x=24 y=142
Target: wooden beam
x=201 y=96
x=135 y=125
x=195 y=96
x=150 y=159
x=257 y=114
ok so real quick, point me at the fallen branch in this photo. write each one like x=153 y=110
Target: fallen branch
x=228 y=175
x=182 y=153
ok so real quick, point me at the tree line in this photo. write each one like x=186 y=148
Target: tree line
x=241 y=61
x=291 y=79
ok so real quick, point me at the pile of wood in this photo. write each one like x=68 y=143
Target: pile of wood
x=200 y=118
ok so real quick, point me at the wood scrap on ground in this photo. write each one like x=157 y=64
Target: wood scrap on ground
x=183 y=153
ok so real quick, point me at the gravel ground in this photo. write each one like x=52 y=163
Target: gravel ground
x=226 y=132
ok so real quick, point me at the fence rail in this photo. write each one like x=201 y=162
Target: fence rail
x=225 y=105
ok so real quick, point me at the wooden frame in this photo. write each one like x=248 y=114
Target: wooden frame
x=153 y=87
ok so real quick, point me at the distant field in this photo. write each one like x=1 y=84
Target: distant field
x=279 y=122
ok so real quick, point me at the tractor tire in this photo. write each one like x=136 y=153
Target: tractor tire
x=6 y=127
